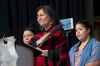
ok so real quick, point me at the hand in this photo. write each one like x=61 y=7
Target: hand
x=44 y=52
x=42 y=39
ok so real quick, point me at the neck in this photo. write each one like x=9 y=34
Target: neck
x=85 y=41
x=48 y=26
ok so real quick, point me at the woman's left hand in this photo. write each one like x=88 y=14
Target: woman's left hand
x=44 y=52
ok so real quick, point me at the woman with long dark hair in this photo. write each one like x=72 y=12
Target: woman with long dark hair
x=54 y=46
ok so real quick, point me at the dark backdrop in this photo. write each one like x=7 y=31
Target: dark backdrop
x=17 y=14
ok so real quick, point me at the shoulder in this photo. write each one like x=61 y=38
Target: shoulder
x=38 y=35
x=95 y=43
x=96 y=48
x=95 y=54
x=74 y=48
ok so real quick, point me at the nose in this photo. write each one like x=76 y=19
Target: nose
x=77 y=32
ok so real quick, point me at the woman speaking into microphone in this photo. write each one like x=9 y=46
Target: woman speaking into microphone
x=51 y=40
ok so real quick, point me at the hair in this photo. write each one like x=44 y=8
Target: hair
x=87 y=25
x=50 y=12
x=30 y=29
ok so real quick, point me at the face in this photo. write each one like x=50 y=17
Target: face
x=42 y=18
x=81 y=32
x=27 y=37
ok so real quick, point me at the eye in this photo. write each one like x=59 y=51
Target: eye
x=80 y=29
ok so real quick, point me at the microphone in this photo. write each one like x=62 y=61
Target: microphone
x=34 y=43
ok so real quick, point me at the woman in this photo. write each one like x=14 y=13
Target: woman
x=54 y=46
x=86 y=51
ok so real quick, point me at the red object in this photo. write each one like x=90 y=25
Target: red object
x=60 y=43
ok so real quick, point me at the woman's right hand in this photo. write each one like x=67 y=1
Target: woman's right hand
x=42 y=39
